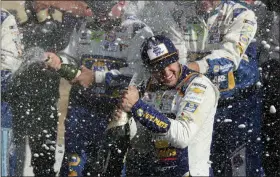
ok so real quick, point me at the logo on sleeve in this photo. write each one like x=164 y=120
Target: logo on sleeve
x=190 y=107
x=244 y=39
x=196 y=93
x=140 y=112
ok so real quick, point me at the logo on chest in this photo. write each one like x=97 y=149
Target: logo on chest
x=164 y=151
x=110 y=44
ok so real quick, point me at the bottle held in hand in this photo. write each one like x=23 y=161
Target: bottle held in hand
x=114 y=147
x=67 y=71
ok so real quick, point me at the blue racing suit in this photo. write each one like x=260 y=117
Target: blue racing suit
x=113 y=56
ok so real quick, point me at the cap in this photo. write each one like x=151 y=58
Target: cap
x=158 y=52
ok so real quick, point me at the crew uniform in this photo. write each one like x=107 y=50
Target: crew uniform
x=113 y=55
x=176 y=128
x=220 y=42
x=10 y=61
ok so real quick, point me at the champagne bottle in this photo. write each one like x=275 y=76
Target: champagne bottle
x=115 y=144
x=67 y=71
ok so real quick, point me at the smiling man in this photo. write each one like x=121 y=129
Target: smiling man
x=179 y=114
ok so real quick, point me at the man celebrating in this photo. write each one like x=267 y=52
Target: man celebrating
x=216 y=38
x=109 y=49
x=183 y=142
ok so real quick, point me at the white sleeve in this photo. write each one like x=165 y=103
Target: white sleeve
x=11 y=48
x=234 y=43
x=196 y=110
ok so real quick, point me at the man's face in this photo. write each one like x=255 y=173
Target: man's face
x=169 y=76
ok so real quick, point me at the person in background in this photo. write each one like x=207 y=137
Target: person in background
x=107 y=47
x=34 y=91
x=11 y=51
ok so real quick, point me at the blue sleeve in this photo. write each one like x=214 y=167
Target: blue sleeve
x=219 y=66
x=150 y=118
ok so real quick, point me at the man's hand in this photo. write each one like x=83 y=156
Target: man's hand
x=52 y=60
x=129 y=98
x=86 y=78
x=117 y=114
x=193 y=66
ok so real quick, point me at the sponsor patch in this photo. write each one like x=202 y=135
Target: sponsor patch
x=109 y=46
x=196 y=93
x=75 y=160
x=166 y=152
x=190 y=107
x=244 y=39
x=155 y=120
x=216 y=68
x=194 y=97
x=199 y=85
x=197 y=90
x=99 y=66
x=140 y=112
x=225 y=68
x=161 y=144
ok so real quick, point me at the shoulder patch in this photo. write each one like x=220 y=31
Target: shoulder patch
x=4 y=15
x=190 y=107
x=195 y=93
x=238 y=11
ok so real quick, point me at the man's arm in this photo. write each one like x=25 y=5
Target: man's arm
x=233 y=45
x=10 y=42
x=196 y=109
